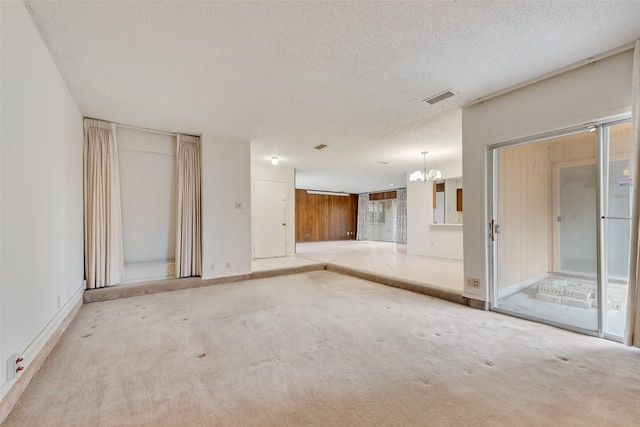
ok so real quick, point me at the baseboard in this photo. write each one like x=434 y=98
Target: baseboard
x=145 y=272
x=478 y=304
x=37 y=352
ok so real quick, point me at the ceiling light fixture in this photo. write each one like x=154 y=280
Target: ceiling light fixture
x=275 y=161
x=423 y=175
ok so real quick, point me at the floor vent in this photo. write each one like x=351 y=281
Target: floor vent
x=320 y=147
x=440 y=97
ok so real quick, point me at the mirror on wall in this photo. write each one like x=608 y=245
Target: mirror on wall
x=447 y=201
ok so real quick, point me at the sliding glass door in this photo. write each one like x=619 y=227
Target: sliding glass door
x=560 y=209
x=616 y=223
x=383 y=220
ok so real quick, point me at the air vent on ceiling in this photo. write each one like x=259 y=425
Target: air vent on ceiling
x=439 y=97
x=320 y=147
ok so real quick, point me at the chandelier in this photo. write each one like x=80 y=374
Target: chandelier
x=424 y=175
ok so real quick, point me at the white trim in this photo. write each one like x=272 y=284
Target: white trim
x=35 y=347
x=553 y=73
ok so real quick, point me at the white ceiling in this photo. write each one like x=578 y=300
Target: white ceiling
x=288 y=76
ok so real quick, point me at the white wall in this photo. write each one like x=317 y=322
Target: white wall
x=147 y=162
x=266 y=171
x=586 y=94
x=41 y=192
x=226 y=229
x=424 y=237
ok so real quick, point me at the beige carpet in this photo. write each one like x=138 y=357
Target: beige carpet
x=323 y=349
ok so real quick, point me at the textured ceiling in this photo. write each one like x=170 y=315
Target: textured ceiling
x=288 y=76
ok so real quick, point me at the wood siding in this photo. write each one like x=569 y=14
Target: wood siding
x=323 y=217
x=524 y=206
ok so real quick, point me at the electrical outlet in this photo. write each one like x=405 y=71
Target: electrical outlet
x=14 y=366
x=473 y=283
x=213 y=266
x=228 y=264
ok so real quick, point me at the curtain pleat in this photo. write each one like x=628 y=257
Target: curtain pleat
x=362 y=232
x=103 y=251
x=632 y=330
x=188 y=233
x=401 y=197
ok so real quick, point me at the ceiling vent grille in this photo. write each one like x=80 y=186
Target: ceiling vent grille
x=440 y=97
x=320 y=147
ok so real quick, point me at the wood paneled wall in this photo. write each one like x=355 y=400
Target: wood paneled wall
x=524 y=213
x=526 y=204
x=385 y=195
x=322 y=217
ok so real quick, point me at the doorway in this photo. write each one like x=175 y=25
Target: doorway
x=560 y=209
x=270 y=218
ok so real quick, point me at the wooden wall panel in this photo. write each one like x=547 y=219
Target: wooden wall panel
x=526 y=199
x=524 y=203
x=393 y=194
x=322 y=217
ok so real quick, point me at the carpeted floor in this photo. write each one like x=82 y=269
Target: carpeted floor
x=323 y=349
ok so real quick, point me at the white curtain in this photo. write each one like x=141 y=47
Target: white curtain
x=188 y=221
x=632 y=331
x=103 y=254
x=401 y=197
x=362 y=232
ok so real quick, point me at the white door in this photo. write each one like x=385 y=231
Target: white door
x=577 y=240
x=270 y=218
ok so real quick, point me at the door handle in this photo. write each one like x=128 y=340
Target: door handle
x=493 y=230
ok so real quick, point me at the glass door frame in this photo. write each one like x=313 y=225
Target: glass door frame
x=602 y=159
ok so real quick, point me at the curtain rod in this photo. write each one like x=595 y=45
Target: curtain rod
x=161 y=132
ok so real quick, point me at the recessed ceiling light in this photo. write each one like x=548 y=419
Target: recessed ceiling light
x=391 y=185
x=275 y=161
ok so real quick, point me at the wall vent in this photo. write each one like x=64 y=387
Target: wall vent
x=320 y=147
x=439 y=97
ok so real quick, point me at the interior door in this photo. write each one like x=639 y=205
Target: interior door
x=270 y=218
